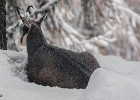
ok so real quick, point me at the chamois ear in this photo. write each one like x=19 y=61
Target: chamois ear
x=41 y=19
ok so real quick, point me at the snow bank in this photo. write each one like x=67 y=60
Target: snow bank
x=14 y=86
x=117 y=79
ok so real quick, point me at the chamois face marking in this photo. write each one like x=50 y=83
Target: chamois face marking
x=28 y=23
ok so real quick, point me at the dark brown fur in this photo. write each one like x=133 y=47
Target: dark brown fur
x=53 y=66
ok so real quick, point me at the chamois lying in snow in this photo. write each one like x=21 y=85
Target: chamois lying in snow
x=53 y=66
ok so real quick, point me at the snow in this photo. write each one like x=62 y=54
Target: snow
x=14 y=87
x=117 y=79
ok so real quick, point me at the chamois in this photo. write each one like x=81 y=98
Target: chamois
x=51 y=65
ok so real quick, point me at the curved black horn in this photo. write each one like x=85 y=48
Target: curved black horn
x=19 y=12
x=27 y=10
x=21 y=17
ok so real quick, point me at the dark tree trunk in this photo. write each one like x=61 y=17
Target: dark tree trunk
x=3 y=40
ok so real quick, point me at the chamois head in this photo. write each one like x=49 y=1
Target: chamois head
x=27 y=22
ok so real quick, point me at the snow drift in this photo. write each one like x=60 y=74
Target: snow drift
x=117 y=79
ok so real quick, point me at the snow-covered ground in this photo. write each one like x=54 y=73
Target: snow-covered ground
x=117 y=79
